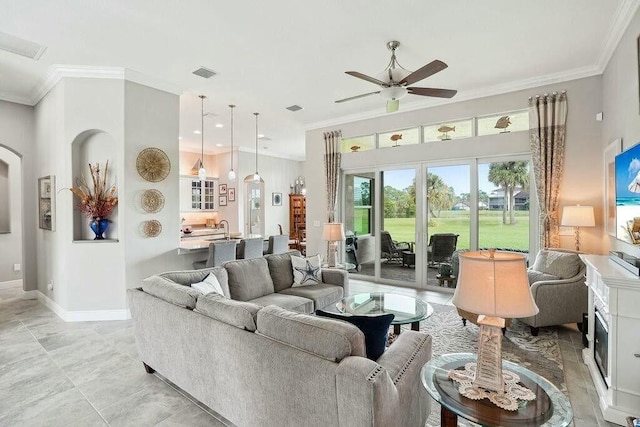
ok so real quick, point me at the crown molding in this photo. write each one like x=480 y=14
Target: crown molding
x=621 y=20
x=525 y=84
x=57 y=72
x=16 y=99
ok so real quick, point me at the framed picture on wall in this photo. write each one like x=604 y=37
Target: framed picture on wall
x=276 y=199
x=610 y=154
x=46 y=202
x=231 y=194
x=222 y=188
x=222 y=200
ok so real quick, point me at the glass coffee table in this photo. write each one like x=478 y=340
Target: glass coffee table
x=406 y=309
x=551 y=408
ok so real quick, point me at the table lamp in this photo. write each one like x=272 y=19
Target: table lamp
x=578 y=216
x=333 y=232
x=495 y=286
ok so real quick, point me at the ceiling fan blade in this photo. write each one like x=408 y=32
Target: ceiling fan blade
x=367 y=78
x=356 y=97
x=427 y=91
x=424 y=72
x=393 y=105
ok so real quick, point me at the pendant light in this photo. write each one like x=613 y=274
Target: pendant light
x=232 y=174
x=256 y=176
x=202 y=172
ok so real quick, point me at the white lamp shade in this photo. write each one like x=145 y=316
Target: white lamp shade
x=333 y=232
x=393 y=92
x=494 y=286
x=578 y=216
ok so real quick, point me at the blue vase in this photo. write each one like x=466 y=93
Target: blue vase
x=99 y=227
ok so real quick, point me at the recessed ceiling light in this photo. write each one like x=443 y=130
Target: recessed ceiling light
x=260 y=135
x=179 y=138
x=219 y=125
x=197 y=132
x=219 y=145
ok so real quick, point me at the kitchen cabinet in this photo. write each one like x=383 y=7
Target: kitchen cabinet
x=196 y=195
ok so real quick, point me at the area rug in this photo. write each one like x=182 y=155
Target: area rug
x=540 y=354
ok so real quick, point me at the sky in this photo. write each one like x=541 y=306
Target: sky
x=627 y=169
x=454 y=176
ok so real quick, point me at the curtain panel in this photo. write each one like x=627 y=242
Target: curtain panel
x=547 y=130
x=332 y=158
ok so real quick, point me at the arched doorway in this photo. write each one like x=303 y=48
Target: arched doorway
x=11 y=219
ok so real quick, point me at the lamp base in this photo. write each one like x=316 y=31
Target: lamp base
x=489 y=369
x=332 y=255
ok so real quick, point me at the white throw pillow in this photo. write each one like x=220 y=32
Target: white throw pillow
x=306 y=271
x=208 y=285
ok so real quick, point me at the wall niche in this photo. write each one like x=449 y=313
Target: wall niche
x=93 y=147
x=5 y=205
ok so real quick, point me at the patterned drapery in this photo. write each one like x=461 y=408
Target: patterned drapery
x=332 y=159
x=547 y=129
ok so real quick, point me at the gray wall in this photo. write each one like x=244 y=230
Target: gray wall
x=621 y=105
x=17 y=135
x=583 y=171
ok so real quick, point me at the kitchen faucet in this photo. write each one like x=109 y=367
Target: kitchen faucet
x=227 y=235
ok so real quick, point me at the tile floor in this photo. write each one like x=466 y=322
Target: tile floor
x=88 y=373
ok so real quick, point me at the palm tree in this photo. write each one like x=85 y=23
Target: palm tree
x=440 y=195
x=509 y=176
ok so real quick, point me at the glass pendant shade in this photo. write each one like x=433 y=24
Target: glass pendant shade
x=202 y=172
x=232 y=175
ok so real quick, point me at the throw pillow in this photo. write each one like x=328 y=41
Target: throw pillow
x=306 y=271
x=374 y=328
x=208 y=285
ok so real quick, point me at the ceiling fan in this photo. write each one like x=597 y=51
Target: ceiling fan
x=395 y=80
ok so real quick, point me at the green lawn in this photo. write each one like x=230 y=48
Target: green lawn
x=493 y=234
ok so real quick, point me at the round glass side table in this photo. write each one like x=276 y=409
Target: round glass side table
x=550 y=409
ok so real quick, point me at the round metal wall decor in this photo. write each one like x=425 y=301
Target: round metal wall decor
x=152 y=228
x=152 y=201
x=153 y=164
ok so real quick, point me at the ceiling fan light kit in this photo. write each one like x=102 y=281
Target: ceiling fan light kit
x=394 y=81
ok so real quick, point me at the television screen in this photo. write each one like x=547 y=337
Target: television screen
x=628 y=195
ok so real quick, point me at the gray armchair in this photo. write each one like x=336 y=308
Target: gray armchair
x=557 y=284
x=219 y=252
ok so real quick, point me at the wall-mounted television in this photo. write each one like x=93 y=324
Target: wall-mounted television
x=628 y=195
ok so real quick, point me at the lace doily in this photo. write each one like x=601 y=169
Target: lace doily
x=513 y=392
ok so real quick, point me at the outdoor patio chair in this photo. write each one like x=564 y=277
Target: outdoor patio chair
x=392 y=249
x=441 y=247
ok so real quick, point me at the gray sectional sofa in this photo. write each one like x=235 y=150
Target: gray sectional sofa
x=259 y=364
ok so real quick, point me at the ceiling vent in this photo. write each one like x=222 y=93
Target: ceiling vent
x=294 y=108
x=20 y=46
x=204 y=72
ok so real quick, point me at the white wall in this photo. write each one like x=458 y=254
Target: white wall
x=11 y=212
x=621 y=106
x=583 y=157
x=17 y=135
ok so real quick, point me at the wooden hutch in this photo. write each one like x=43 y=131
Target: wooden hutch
x=297 y=215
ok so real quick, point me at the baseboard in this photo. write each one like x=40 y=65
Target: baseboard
x=82 y=315
x=11 y=284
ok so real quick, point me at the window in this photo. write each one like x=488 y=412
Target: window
x=449 y=130
x=358 y=203
x=360 y=143
x=507 y=122
x=399 y=138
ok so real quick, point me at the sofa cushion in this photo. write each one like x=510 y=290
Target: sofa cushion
x=188 y=277
x=249 y=279
x=321 y=294
x=537 y=276
x=374 y=328
x=169 y=291
x=290 y=302
x=281 y=270
x=208 y=285
x=306 y=271
x=323 y=337
x=561 y=264
x=236 y=313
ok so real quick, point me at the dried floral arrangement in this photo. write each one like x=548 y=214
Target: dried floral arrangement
x=99 y=202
